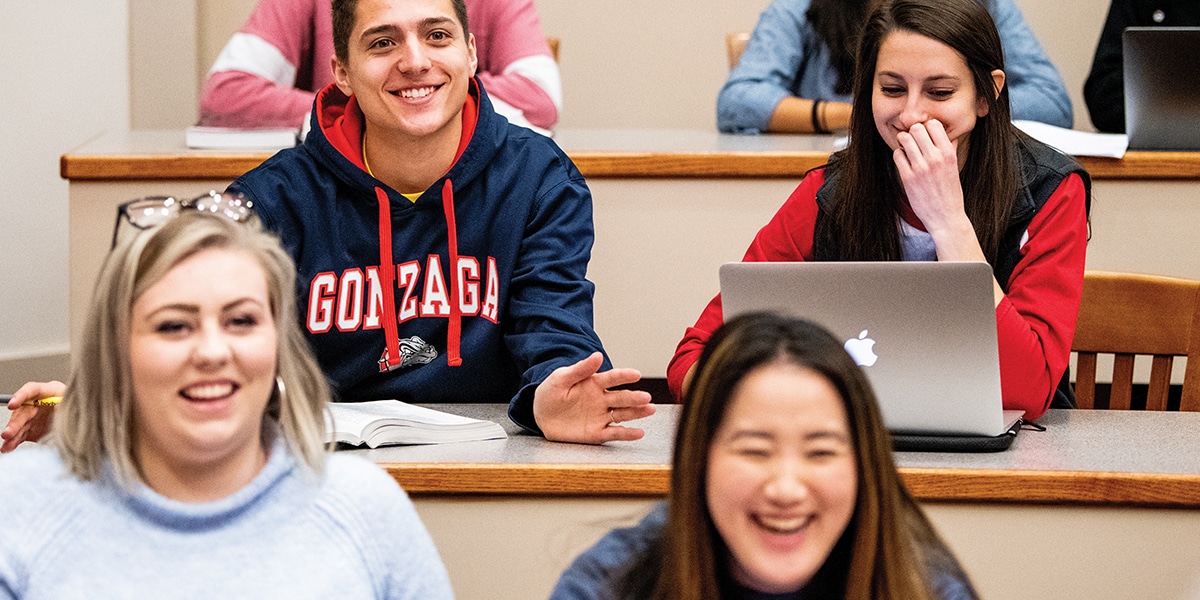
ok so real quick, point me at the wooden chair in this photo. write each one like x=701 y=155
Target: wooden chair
x=735 y=42
x=1127 y=314
x=553 y=43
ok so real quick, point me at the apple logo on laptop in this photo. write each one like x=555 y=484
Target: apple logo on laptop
x=860 y=349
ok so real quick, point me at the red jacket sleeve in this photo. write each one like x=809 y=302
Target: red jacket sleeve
x=1035 y=321
x=787 y=237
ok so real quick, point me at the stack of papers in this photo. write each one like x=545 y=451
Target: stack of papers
x=1074 y=142
x=391 y=422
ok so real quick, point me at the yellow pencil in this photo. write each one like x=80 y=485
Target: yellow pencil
x=48 y=401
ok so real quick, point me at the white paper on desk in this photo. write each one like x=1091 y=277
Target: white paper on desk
x=1076 y=143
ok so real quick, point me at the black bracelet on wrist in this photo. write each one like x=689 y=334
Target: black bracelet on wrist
x=816 y=120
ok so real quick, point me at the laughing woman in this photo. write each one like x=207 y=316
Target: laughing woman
x=935 y=170
x=187 y=457
x=782 y=486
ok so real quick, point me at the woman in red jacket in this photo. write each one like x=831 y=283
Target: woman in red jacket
x=935 y=170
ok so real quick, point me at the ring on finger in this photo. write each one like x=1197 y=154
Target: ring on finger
x=612 y=418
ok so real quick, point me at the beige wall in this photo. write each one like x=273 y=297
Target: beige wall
x=1069 y=31
x=217 y=20
x=66 y=70
x=163 y=43
x=630 y=63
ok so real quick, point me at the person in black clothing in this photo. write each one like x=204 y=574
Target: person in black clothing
x=1104 y=90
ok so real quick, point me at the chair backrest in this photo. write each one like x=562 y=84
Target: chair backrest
x=735 y=42
x=553 y=43
x=1128 y=314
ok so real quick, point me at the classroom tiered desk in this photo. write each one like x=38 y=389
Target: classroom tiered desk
x=670 y=206
x=1103 y=504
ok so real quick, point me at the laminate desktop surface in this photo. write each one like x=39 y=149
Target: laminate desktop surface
x=162 y=155
x=1092 y=457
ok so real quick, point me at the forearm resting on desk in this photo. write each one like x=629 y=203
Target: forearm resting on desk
x=795 y=115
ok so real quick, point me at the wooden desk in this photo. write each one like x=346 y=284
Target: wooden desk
x=1086 y=457
x=1100 y=505
x=599 y=153
x=670 y=206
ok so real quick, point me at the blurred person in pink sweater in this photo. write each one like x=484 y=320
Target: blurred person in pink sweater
x=269 y=71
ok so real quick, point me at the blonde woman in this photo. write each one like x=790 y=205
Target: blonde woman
x=187 y=457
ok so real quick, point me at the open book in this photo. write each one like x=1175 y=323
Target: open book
x=387 y=422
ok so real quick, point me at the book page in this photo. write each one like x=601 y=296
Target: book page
x=359 y=414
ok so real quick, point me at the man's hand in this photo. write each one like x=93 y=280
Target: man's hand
x=29 y=423
x=575 y=404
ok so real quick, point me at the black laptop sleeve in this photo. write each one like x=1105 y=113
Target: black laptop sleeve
x=955 y=443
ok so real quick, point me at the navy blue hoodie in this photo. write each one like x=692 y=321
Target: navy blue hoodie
x=487 y=269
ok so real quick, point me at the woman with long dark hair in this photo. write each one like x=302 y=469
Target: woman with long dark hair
x=782 y=486
x=935 y=170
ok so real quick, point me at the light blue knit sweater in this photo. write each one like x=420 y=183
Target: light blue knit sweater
x=352 y=534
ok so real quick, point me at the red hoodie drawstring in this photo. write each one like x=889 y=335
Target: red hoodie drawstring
x=344 y=128
x=454 y=334
x=387 y=277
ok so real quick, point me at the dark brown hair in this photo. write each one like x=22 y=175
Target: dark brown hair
x=889 y=546
x=345 y=11
x=868 y=194
x=837 y=23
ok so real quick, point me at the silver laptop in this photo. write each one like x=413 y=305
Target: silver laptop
x=1162 y=87
x=924 y=332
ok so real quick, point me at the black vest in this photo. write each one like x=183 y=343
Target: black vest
x=1042 y=170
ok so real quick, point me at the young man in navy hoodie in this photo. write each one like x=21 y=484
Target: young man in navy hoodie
x=411 y=197
x=441 y=252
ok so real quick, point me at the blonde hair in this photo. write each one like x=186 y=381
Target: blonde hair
x=94 y=423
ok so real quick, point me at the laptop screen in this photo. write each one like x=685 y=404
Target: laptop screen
x=1162 y=87
x=924 y=332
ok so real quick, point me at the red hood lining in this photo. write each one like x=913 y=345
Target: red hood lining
x=342 y=122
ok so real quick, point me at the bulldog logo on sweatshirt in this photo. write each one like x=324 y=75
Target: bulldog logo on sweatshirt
x=413 y=351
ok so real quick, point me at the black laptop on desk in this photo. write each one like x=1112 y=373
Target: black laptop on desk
x=1162 y=87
